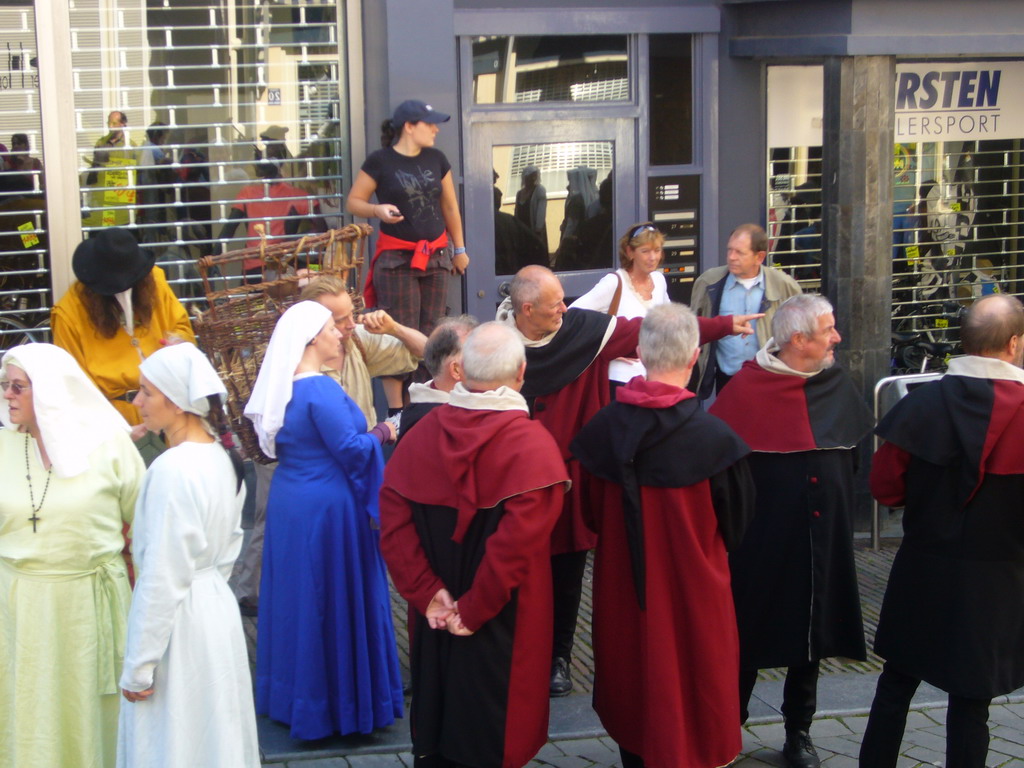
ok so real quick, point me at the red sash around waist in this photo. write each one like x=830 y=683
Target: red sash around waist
x=422 y=250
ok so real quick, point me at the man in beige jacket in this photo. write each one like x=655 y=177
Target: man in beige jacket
x=742 y=287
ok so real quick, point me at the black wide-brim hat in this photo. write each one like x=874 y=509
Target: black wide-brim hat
x=111 y=261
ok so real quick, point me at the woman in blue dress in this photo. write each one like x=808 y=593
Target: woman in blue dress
x=326 y=660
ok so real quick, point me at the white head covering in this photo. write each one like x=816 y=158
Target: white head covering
x=185 y=377
x=74 y=417
x=273 y=389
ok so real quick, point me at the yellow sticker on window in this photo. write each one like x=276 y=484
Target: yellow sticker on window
x=913 y=255
x=30 y=239
x=941 y=322
x=955 y=207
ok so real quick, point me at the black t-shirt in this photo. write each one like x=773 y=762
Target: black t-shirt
x=414 y=185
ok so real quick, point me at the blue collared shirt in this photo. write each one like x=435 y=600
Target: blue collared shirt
x=733 y=351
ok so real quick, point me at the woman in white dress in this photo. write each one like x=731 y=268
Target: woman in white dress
x=640 y=286
x=69 y=475
x=186 y=671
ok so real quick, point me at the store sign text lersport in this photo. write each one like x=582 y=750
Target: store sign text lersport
x=945 y=102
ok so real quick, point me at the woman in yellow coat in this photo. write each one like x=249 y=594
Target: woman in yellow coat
x=119 y=312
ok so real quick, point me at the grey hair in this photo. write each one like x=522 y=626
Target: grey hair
x=492 y=353
x=445 y=341
x=668 y=337
x=798 y=314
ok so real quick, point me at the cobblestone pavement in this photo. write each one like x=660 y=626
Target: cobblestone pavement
x=837 y=740
x=844 y=696
x=872 y=571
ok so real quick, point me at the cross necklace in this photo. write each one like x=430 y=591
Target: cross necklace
x=31 y=497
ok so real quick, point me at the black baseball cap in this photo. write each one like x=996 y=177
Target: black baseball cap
x=414 y=111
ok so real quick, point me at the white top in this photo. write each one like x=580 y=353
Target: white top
x=631 y=304
x=426 y=393
x=500 y=399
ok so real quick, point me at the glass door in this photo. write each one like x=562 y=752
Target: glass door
x=553 y=192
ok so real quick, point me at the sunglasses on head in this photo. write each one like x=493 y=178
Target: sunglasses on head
x=641 y=229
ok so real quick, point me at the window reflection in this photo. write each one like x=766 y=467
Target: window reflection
x=553 y=205
x=204 y=126
x=24 y=242
x=519 y=70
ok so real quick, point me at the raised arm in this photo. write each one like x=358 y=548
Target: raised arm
x=381 y=322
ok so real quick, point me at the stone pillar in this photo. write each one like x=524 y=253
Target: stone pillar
x=857 y=194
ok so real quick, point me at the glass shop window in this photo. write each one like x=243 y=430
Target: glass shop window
x=25 y=295
x=565 y=68
x=208 y=126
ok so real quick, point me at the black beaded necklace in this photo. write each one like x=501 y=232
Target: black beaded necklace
x=31 y=497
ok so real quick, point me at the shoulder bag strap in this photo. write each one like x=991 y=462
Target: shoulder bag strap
x=614 y=306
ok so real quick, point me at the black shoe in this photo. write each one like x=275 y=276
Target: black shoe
x=561 y=682
x=247 y=607
x=799 y=751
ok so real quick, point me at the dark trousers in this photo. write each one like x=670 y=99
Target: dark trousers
x=721 y=379
x=630 y=759
x=966 y=724
x=799 y=695
x=567 y=580
x=433 y=761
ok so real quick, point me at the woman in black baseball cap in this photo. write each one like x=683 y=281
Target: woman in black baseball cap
x=420 y=241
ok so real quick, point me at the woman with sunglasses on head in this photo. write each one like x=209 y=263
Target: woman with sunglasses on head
x=186 y=668
x=420 y=241
x=326 y=660
x=631 y=290
x=70 y=476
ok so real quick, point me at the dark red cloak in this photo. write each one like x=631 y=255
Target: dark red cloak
x=953 y=612
x=567 y=383
x=468 y=504
x=666 y=664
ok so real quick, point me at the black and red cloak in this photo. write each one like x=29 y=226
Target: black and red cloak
x=567 y=383
x=793 y=577
x=953 y=613
x=671 y=492
x=469 y=500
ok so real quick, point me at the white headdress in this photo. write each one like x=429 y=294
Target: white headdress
x=74 y=417
x=273 y=388
x=185 y=377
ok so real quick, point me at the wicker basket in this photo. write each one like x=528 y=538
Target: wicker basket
x=235 y=329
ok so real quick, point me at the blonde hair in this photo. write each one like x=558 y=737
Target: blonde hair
x=325 y=285
x=640 y=234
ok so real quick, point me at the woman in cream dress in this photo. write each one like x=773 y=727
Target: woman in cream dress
x=70 y=475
